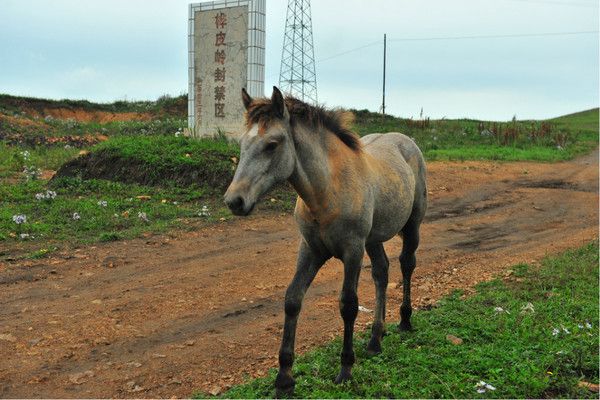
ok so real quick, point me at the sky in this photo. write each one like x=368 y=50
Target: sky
x=107 y=50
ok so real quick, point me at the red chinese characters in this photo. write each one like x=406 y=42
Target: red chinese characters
x=220 y=58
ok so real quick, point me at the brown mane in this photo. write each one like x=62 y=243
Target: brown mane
x=337 y=121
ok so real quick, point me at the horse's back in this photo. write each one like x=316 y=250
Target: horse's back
x=400 y=150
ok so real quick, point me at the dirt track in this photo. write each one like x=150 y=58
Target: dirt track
x=163 y=316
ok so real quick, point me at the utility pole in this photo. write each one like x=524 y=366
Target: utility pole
x=384 y=56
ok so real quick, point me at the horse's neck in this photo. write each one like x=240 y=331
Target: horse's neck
x=317 y=156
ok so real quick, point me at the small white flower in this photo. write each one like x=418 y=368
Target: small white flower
x=483 y=387
x=204 y=212
x=588 y=325
x=527 y=308
x=565 y=330
x=555 y=331
x=24 y=236
x=143 y=216
x=19 y=219
x=500 y=310
x=50 y=194
x=25 y=154
x=580 y=326
x=102 y=203
x=76 y=216
x=177 y=134
x=40 y=196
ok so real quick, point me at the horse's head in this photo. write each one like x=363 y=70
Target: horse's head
x=267 y=152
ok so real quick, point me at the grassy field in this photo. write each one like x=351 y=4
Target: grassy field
x=117 y=161
x=534 y=335
x=553 y=140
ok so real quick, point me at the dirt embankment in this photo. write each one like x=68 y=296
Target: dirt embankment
x=163 y=316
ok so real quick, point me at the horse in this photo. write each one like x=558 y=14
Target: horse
x=354 y=194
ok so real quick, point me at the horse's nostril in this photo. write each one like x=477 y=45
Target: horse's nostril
x=237 y=203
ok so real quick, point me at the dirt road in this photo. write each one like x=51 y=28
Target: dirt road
x=163 y=316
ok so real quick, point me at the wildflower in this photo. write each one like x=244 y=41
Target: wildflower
x=178 y=133
x=31 y=172
x=483 y=387
x=49 y=195
x=204 y=212
x=500 y=310
x=143 y=216
x=25 y=154
x=102 y=203
x=76 y=216
x=25 y=236
x=527 y=308
x=555 y=331
x=19 y=219
x=588 y=325
x=565 y=330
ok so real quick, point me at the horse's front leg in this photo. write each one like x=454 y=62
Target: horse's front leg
x=308 y=265
x=349 y=309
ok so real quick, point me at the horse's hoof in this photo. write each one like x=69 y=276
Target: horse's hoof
x=404 y=327
x=374 y=347
x=344 y=376
x=284 y=385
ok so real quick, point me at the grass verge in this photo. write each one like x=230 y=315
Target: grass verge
x=540 y=350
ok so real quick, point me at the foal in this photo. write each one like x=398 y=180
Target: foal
x=353 y=195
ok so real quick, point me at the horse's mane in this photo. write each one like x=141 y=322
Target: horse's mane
x=338 y=121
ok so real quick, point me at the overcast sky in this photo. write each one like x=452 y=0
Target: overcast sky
x=106 y=50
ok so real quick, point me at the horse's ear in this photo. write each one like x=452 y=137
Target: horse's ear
x=279 y=103
x=246 y=98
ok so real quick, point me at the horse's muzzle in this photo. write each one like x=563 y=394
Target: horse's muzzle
x=238 y=206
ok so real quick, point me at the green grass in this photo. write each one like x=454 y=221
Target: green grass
x=52 y=220
x=514 y=351
x=504 y=153
x=557 y=139
x=165 y=105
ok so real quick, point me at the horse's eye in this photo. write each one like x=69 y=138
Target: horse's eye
x=271 y=146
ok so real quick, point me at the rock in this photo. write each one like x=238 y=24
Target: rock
x=190 y=342
x=364 y=309
x=156 y=355
x=80 y=377
x=215 y=391
x=392 y=285
x=454 y=340
x=134 y=364
x=8 y=337
x=97 y=301
x=110 y=262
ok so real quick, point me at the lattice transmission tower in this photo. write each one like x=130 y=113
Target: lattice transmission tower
x=297 y=75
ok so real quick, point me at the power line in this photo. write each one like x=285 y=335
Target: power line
x=560 y=3
x=516 y=35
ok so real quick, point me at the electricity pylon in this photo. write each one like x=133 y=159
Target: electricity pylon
x=297 y=75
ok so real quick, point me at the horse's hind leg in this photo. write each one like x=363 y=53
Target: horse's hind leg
x=308 y=265
x=408 y=261
x=379 y=271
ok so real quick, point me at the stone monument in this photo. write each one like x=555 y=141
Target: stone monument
x=226 y=52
